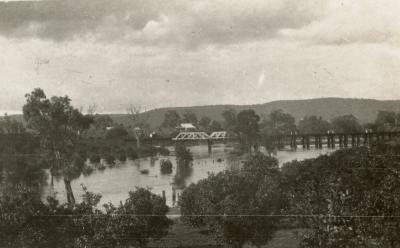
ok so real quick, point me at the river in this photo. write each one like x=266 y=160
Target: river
x=115 y=183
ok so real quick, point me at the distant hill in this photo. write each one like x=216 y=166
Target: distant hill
x=364 y=109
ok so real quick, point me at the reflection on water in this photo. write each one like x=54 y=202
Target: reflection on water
x=115 y=183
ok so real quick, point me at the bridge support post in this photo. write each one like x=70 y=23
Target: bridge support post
x=209 y=145
x=346 y=141
x=328 y=140
x=358 y=140
x=320 y=142
x=333 y=141
x=308 y=142
x=294 y=142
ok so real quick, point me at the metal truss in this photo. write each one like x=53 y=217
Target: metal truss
x=191 y=136
x=218 y=135
x=200 y=136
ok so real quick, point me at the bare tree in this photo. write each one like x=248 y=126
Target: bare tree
x=138 y=120
x=92 y=108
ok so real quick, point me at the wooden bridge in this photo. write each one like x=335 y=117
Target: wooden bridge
x=330 y=140
x=286 y=141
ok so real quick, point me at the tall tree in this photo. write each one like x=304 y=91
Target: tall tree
x=346 y=124
x=247 y=126
x=230 y=120
x=204 y=123
x=215 y=126
x=171 y=119
x=386 y=120
x=59 y=126
x=278 y=122
x=189 y=117
x=313 y=124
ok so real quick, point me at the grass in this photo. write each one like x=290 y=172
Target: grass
x=182 y=235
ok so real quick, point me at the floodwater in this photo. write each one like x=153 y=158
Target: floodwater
x=115 y=183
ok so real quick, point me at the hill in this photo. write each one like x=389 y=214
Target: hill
x=364 y=109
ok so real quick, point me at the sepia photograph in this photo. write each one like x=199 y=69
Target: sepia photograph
x=199 y=124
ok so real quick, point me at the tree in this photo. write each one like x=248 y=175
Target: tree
x=230 y=120
x=278 y=122
x=138 y=120
x=232 y=203
x=184 y=159
x=204 y=123
x=117 y=133
x=102 y=122
x=59 y=126
x=11 y=126
x=189 y=117
x=248 y=128
x=171 y=119
x=346 y=124
x=386 y=120
x=313 y=124
x=215 y=126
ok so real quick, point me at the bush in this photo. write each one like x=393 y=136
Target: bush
x=95 y=159
x=232 y=203
x=163 y=151
x=122 y=157
x=26 y=221
x=131 y=153
x=147 y=151
x=110 y=159
x=355 y=182
x=166 y=166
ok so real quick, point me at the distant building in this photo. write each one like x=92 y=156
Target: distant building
x=186 y=127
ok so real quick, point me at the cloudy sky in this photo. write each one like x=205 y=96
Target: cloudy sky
x=158 y=53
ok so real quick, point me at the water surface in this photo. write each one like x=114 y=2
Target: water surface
x=115 y=183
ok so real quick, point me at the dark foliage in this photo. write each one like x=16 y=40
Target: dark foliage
x=236 y=205
x=25 y=221
x=352 y=194
x=166 y=166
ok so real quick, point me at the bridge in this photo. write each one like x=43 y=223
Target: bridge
x=329 y=140
x=285 y=141
x=296 y=140
x=200 y=136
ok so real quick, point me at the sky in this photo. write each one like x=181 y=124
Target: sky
x=157 y=53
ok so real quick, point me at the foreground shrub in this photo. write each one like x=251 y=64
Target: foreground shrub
x=237 y=205
x=25 y=221
x=352 y=194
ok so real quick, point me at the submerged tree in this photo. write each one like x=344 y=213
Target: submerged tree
x=247 y=126
x=59 y=127
x=184 y=159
